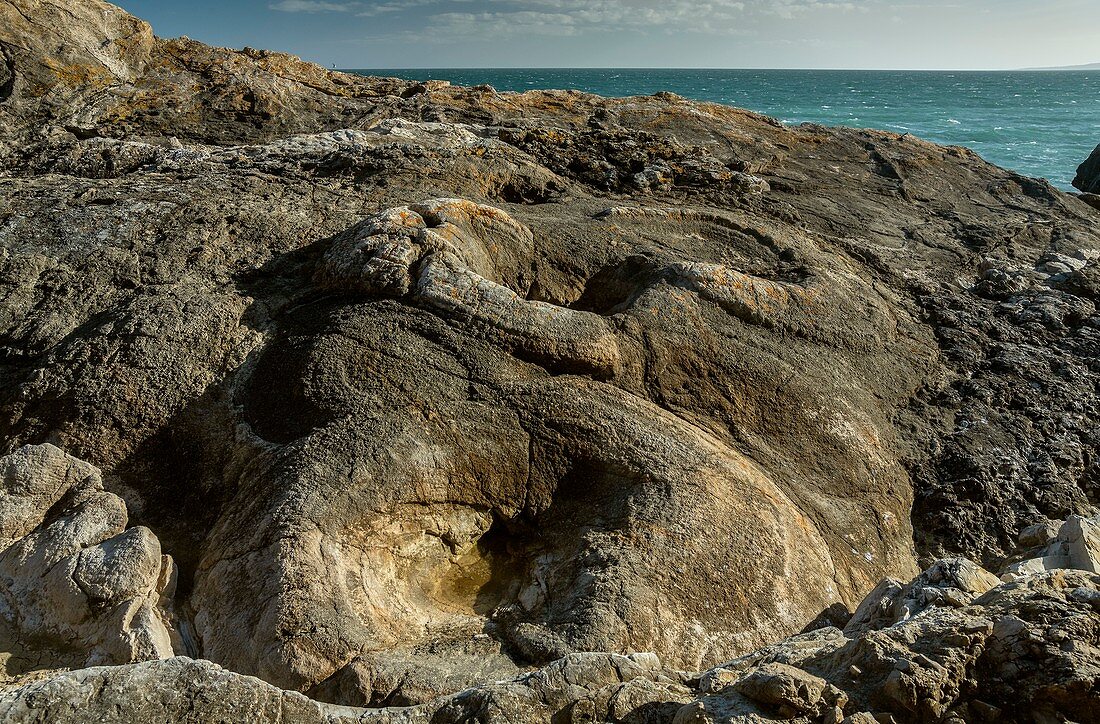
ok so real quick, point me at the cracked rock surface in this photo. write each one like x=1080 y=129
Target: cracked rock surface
x=424 y=388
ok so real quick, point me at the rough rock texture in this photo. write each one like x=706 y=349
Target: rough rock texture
x=549 y=527
x=1088 y=174
x=1046 y=546
x=426 y=387
x=77 y=587
x=1025 y=651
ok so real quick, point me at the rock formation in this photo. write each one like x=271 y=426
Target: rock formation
x=424 y=388
x=77 y=587
x=1088 y=174
x=960 y=649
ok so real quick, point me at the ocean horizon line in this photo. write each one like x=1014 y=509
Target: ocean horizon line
x=1076 y=69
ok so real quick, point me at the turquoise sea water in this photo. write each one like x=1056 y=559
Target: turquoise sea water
x=1037 y=123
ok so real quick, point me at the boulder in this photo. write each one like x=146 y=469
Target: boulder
x=177 y=690
x=949 y=582
x=1080 y=538
x=1029 y=566
x=1039 y=534
x=790 y=692
x=1076 y=545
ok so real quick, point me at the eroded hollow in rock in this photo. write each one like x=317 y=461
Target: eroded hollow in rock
x=615 y=286
x=458 y=592
x=483 y=575
x=446 y=566
x=433 y=578
x=428 y=571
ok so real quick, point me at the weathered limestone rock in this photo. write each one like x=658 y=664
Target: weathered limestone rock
x=175 y=690
x=520 y=495
x=1039 y=534
x=453 y=245
x=57 y=52
x=952 y=582
x=997 y=657
x=791 y=692
x=75 y=583
x=1081 y=538
x=1030 y=566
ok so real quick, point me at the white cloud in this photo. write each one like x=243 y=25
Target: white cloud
x=451 y=21
x=576 y=17
x=314 y=6
x=396 y=6
x=791 y=8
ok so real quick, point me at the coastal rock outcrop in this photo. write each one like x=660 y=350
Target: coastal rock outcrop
x=535 y=501
x=427 y=387
x=1088 y=174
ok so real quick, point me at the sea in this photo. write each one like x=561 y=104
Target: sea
x=1038 y=123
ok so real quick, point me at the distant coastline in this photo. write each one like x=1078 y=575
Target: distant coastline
x=1063 y=68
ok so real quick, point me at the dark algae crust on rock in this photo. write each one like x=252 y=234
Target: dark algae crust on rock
x=335 y=398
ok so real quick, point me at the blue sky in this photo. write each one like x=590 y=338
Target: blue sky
x=646 y=33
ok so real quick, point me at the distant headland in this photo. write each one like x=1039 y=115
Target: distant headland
x=1086 y=66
